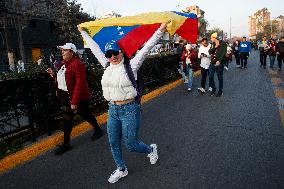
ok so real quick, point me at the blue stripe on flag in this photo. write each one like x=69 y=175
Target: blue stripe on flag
x=107 y=34
x=188 y=15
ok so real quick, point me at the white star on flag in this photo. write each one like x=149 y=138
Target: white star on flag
x=121 y=33
x=118 y=28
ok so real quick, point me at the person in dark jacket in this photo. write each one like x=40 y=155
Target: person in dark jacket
x=263 y=51
x=272 y=52
x=280 y=52
x=218 y=59
x=236 y=48
x=73 y=93
x=189 y=58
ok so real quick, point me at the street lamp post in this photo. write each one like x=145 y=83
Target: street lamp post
x=230 y=28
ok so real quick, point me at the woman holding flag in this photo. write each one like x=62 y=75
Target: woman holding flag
x=124 y=111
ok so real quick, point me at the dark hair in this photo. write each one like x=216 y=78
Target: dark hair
x=204 y=39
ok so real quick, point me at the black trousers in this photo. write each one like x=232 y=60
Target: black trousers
x=262 y=57
x=237 y=56
x=280 y=59
x=68 y=114
x=204 y=73
x=244 y=58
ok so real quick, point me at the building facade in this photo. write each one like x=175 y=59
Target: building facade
x=202 y=23
x=279 y=26
x=31 y=37
x=258 y=21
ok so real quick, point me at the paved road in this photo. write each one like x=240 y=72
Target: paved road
x=236 y=141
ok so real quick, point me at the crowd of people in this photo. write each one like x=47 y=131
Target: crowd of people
x=212 y=58
x=216 y=56
x=121 y=90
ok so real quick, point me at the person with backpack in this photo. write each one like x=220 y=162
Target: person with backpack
x=119 y=89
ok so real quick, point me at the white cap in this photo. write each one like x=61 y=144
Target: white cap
x=188 y=47
x=70 y=46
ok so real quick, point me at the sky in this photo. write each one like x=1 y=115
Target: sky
x=217 y=13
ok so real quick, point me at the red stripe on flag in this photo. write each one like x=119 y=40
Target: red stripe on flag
x=134 y=39
x=189 y=30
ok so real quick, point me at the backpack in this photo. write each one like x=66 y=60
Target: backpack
x=137 y=84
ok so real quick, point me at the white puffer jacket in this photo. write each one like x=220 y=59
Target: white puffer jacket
x=115 y=82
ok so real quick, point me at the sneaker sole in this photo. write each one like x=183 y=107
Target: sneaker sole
x=118 y=178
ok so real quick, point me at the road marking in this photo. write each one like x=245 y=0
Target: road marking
x=279 y=93
x=50 y=142
x=282 y=117
x=272 y=72
x=276 y=80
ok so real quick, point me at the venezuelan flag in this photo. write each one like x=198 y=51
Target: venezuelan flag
x=131 y=32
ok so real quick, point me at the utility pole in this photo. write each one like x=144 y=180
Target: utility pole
x=230 y=28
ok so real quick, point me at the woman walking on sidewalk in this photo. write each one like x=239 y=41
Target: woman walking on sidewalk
x=189 y=58
x=73 y=93
x=124 y=112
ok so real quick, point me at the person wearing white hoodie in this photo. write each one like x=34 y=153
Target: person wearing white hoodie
x=205 y=57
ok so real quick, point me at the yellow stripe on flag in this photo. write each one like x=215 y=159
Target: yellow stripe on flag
x=140 y=19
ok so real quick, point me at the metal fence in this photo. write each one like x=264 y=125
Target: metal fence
x=29 y=103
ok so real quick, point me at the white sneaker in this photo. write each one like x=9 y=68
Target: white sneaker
x=189 y=89
x=210 y=89
x=116 y=175
x=226 y=68
x=154 y=154
x=201 y=90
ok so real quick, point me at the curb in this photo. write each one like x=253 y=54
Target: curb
x=50 y=142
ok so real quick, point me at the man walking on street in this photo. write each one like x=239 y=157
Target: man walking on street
x=280 y=52
x=218 y=58
x=204 y=55
x=245 y=48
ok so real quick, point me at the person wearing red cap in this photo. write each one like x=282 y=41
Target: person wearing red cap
x=73 y=93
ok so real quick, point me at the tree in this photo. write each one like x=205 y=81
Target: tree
x=65 y=14
x=202 y=25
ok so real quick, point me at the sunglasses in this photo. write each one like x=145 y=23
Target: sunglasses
x=110 y=53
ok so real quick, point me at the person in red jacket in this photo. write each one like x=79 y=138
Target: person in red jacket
x=73 y=93
x=189 y=58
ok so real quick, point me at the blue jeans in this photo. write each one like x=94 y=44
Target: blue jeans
x=272 y=59
x=219 y=70
x=123 y=124
x=190 y=77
